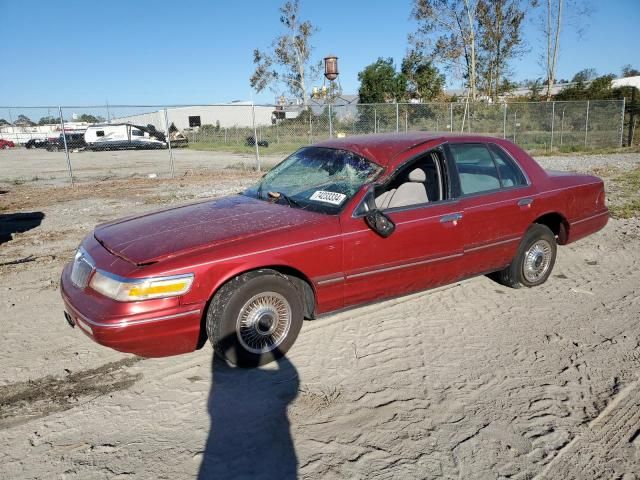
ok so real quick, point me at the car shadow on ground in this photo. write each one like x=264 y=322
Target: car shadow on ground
x=249 y=436
x=18 y=223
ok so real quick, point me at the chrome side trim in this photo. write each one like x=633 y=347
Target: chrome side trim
x=591 y=217
x=493 y=244
x=128 y=323
x=404 y=265
x=330 y=281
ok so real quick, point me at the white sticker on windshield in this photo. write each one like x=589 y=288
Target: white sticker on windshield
x=328 y=197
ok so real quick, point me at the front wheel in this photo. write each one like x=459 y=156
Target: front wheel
x=255 y=318
x=533 y=261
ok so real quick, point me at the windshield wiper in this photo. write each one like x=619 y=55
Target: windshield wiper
x=278 y=195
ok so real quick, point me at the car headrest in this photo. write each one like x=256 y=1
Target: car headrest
x=417 y=175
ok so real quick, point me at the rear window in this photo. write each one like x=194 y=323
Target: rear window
x=476 y=168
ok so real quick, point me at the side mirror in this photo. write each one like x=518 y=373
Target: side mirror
x=380 y=223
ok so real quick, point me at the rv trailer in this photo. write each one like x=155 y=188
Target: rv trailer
x=123 y=136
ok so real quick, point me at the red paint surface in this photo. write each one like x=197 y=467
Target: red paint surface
x=345 y=262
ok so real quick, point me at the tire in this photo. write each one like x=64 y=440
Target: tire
x=533 y=261
x=240 y=320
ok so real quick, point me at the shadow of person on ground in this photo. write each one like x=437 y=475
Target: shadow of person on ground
x=249 y=435
x=18 y=223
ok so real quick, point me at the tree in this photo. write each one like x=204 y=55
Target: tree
x=500 y=41
x=289 y=60
x=424 y=81
x=379 y=83
x=629 y=71
x=23 y=121
x=49 y=120
x=448 y=29
x=87 y=118
x=3 y=122
x=598 y=89
x=554 y=17
x=585 y=75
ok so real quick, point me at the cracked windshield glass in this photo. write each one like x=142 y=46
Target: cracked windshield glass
x=316 y=179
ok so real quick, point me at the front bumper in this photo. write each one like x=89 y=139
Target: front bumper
x=150 y=328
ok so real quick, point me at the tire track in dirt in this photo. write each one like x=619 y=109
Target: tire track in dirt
x=26 y=401
x=615 y=432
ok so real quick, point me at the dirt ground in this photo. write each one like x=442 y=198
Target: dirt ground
x=472 y=380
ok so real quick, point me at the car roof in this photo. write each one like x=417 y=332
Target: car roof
x=383 y=148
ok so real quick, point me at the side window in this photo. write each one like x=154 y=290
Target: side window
x=476 y=168
x=99 y=133
x=136 y=133
x=510 y=173
x=418 y=183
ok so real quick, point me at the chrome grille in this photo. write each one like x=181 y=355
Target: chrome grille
x=81 y=271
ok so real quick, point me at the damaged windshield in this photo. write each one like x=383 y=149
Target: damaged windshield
x=316 y=178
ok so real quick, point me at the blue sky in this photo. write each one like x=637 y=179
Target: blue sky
x=161 y=52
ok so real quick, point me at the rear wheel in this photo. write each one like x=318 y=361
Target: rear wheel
x=533 y=261
x=255 y=318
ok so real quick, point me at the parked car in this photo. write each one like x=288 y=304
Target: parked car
x=36 y=143
x=251 y=141
x=338 y=224
x=74 y=141
x=6 y=143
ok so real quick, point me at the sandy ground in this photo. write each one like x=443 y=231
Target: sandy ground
x=473 y=380
x=19 y=165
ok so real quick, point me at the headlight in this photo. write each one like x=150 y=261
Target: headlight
x=128 y=290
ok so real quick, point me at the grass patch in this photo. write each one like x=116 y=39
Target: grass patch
x=628 y=184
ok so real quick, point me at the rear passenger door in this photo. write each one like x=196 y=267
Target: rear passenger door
x=496 y=199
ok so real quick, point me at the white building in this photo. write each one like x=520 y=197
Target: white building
x=236 y=114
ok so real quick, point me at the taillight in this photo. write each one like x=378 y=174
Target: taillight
x=601 y=198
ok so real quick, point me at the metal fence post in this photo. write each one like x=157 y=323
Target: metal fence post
x=397 y=118
x=375 y=121
x=166 y=126
x=330 y=123
x=451 y=117
x=310 y=126
x=622 y=121
x=406 y=120
x=504 y=121
x=66 y=148
x=255 y=134
x=553 y=118
x=515 y=125
x=562 y=127
x=586 y=125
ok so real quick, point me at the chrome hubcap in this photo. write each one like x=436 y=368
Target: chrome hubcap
x=263 y=322
x=537 y=261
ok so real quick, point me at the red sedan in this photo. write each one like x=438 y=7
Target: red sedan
x=338 y=224
x=6 y=143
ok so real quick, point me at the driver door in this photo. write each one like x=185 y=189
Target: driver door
x=424 y=251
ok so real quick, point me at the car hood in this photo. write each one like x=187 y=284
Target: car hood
x=168 y=233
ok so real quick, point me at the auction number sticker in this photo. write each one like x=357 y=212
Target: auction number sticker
x=328 y=197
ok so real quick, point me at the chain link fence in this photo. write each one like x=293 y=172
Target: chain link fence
x=114 y=141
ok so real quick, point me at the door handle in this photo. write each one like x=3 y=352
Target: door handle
x=452 y=217
x=525 y=202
